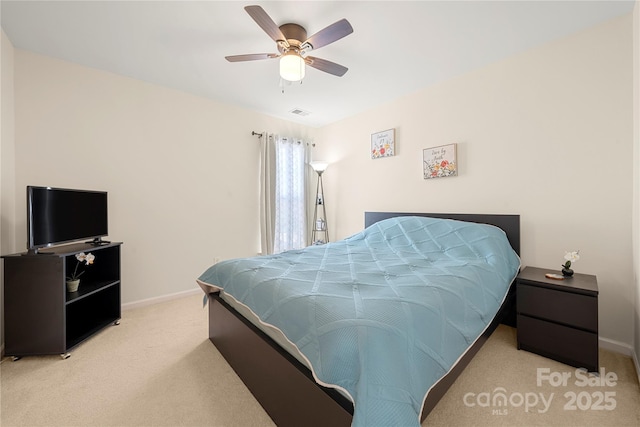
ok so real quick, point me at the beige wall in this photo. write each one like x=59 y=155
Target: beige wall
x=546 y=134
x=7 y=162
x=636 y=178
x=181 y=171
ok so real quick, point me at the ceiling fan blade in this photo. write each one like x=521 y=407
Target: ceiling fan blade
x=326 y=66
x=265 y=22
x=250 y=57
x=330 y=34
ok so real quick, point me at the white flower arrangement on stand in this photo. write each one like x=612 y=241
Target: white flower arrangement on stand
x=73 y=281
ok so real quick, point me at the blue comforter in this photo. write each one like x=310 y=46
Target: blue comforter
x=383 y=314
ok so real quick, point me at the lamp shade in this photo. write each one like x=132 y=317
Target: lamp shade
x=292 y=66
x=319 y=166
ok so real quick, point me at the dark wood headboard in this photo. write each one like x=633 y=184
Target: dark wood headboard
x=509 y=223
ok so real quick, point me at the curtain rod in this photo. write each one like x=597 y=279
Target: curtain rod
x=254 y=133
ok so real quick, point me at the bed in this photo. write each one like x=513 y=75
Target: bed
x=285 y=362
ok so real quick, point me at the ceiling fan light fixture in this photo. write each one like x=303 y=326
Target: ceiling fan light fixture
x=293 y=46
x=292 y=66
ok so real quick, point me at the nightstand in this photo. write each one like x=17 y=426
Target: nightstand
x=558 y=318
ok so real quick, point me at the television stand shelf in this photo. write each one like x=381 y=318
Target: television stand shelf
x=41 y=317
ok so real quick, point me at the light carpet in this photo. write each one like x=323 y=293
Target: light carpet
x=157 y=368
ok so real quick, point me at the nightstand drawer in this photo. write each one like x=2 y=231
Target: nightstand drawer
x=580 y=311
x=571 y=346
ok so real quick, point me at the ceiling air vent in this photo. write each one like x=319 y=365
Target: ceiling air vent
x=299 y=112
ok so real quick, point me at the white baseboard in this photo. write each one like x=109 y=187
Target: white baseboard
x=615 y=346
x=162 y=298
x=634 y=356
x=622 y=348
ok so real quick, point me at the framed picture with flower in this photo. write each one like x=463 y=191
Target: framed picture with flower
x=440 y=161
x=383 y=144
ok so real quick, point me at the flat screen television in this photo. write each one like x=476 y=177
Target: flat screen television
x=62 y=215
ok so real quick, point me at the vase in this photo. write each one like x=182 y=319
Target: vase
x=567 y=272
x=72 y=285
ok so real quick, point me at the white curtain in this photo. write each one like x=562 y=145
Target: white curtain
x=267 y=192
x=283 y=196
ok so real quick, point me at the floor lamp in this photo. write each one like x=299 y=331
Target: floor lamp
x=320 y=232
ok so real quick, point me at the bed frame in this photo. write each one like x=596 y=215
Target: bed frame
x=286 y=389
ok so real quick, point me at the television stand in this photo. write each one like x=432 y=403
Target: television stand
x=41 y=317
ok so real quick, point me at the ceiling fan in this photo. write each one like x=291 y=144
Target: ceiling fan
x=293 y=45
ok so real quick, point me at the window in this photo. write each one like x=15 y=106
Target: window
x=283 y=194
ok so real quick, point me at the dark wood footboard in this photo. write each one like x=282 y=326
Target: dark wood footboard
x=284 y=387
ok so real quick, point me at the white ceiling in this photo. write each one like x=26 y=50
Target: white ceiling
x=397 y=47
